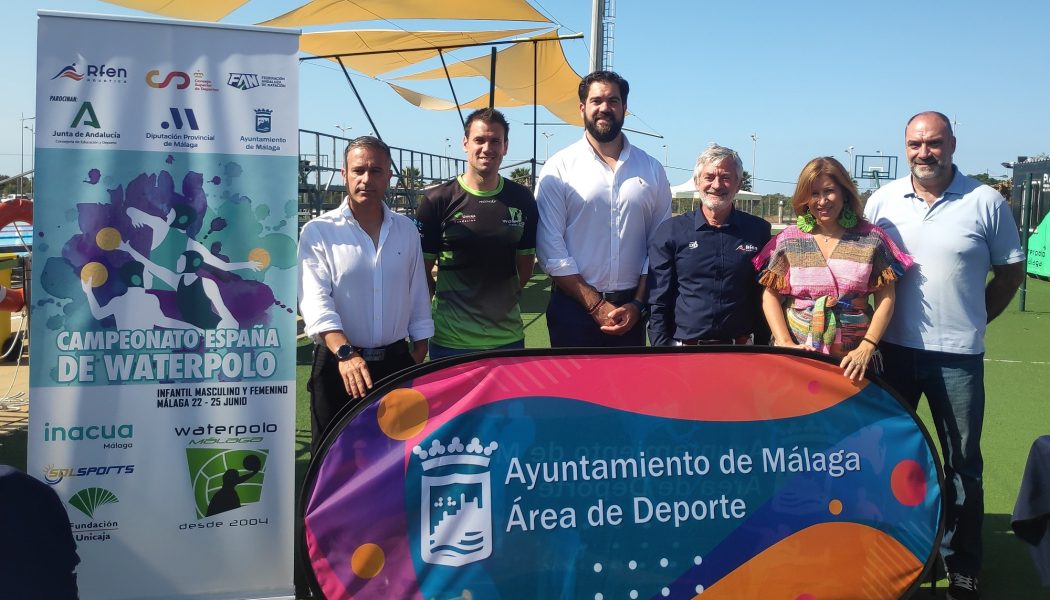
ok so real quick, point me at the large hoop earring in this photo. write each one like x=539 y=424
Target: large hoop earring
x=806 y=222
x=848 y=218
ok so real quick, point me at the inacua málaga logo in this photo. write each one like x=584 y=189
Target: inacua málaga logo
x=455 y=508
x=77 y=433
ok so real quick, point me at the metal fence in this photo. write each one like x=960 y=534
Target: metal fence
x=321 y=187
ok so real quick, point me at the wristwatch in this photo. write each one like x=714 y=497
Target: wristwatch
x=344 y=352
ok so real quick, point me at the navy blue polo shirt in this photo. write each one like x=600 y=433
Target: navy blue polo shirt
x=701 y=281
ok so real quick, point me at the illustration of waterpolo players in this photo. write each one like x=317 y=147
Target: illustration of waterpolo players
x=136 y=308
x=180 y=217
x=197 y=297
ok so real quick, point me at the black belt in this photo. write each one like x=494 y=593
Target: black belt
x=620 y=297
x=744 y=339
x=398 y=348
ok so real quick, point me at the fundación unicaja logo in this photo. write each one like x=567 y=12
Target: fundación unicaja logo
x=225 y=479
x=88 y=500
x=455 y=508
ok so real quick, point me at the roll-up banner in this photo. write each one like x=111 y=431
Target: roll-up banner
x=163 y=292
x=674 y=473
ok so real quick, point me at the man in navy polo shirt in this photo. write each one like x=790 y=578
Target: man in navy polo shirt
x=702 y=287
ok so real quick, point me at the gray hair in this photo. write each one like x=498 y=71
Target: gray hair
x=714 y=154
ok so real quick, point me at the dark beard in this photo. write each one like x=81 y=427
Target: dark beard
x=606 y=136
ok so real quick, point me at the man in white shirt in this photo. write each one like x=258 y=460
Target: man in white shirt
x=362 y=289
x=958 y=231
x=600 y=201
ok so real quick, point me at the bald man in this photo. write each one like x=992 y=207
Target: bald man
x=958 y=231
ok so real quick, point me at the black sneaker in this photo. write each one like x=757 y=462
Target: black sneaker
x=962 y=587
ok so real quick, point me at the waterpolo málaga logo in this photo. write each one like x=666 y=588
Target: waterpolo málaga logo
x=455 y=507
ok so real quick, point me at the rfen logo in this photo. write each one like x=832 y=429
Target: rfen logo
x=69 y=72
x=96 y=73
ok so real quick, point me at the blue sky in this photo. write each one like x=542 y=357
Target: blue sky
x=809 y=78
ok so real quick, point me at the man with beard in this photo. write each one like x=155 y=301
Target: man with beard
x=480 y=228
x=600 y=201
x=957 y=230
x=702 y=286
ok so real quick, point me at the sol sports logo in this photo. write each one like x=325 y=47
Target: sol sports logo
x=183 y=79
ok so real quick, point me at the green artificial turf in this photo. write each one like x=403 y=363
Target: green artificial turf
x=1017 y=375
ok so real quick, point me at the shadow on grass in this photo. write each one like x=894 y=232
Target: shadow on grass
x=1008 y=568
x=1008 y=571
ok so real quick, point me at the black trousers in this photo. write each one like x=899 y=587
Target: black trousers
x=328 y=393
x=570 y=326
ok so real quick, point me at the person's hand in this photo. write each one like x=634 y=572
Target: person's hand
x=791 y=344
x=419 y=351
x=856 y=362
x=621 y=319
x=86 y=283
x=138 y=217
x=355 y=375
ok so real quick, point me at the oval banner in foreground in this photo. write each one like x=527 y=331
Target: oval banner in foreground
x=725 y=473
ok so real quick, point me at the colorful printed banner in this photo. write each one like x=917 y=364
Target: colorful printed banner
x=163 y=338
x=667 y=474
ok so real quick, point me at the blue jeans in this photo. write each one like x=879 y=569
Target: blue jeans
x=954 y=388
x=438 y=351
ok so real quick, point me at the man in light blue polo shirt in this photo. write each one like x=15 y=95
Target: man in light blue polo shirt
x=957 y=230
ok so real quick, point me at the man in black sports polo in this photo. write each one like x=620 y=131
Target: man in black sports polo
x=480 y=229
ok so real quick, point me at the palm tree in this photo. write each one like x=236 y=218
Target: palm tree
x=411 y=178
x=522 y=175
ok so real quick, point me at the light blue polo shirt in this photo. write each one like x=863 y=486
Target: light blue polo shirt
x=940 y=301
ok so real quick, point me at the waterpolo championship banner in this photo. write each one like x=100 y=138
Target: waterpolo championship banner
x=163 y=294
x=729 y=473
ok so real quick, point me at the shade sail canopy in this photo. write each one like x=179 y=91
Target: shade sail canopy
x=200 y=10
x=326 y=12
x=385 y=40
x=434 y=103
x=556 y=82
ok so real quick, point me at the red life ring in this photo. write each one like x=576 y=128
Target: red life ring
x=19 y=209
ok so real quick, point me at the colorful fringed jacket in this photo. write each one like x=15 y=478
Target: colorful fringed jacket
x=827 y=300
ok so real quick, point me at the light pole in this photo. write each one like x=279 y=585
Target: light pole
x=849 y=153
x=547 y=145
x=448 y=158
x=666 y=155
x=22 y=154
x=32 y=151
x=754 y=160
x=344 y=128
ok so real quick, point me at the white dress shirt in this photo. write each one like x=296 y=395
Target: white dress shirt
x=596 y=221
x=375 y=296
